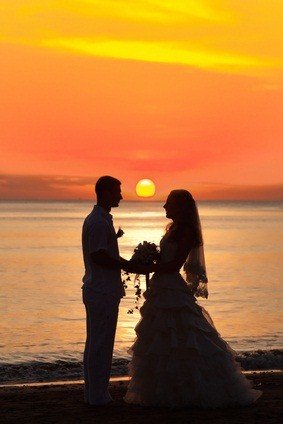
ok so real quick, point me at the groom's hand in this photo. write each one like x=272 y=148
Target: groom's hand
x=133 y=267
x=127 y=265
x=138 y=268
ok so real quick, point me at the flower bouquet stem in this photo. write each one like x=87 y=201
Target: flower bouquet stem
x=147 y=281
x=145 y=253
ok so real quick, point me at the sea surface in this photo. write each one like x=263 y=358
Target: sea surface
x=42 y=328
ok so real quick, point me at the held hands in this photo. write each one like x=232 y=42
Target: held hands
x=139 y=268
x=135 y=267
x=143 y=259
x=142 y=269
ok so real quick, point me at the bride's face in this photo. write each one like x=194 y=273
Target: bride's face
x=171 y=207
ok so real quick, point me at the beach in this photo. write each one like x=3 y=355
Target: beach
x=63 y=403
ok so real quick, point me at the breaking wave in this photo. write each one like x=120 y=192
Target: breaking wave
x=60 y=370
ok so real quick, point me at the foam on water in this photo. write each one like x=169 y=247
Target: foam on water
x=35 y=371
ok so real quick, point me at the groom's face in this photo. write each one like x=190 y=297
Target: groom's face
x=115 y=196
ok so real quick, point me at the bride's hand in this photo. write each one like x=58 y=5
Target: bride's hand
x=149 y=269
x=139 y=268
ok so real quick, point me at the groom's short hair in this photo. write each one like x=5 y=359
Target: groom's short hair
x=105 y=183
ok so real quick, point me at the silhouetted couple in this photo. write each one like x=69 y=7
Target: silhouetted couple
x=178 y=358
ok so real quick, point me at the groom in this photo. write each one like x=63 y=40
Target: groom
x=102 y=289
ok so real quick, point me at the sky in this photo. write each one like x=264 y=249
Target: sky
x=187 y=93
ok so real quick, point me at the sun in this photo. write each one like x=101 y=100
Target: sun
x=145 y=188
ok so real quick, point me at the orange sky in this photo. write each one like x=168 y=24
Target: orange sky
x=187 y=93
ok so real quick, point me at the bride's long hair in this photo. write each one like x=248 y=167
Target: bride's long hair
x=188 y=219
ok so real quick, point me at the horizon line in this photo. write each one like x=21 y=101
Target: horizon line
x=252 y=200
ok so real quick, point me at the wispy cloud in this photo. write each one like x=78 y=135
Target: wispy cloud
x=200 y=33
x=46 y=187
x=156 y=10
x=159 y=52
x=241 y=192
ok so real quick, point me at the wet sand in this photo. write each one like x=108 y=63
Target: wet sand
x=63 y=403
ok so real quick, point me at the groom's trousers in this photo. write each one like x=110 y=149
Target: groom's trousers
x=101 y=321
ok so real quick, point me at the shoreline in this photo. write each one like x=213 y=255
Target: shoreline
x=62 y=402
x=113 y=379
x=59 y=382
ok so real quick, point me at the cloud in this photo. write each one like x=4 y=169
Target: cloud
x=196 y=33
x=46 y=187
x=160 y=52
x=239 y=192
x=169 y=163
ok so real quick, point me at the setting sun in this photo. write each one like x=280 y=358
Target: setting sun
x=145 y=188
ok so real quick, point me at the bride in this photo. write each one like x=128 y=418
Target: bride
x=179 y=358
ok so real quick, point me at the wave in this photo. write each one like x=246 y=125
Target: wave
x=35 y=371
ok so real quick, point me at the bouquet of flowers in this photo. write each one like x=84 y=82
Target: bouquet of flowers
x=145 y=253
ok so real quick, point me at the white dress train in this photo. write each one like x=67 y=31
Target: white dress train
x=179 y=358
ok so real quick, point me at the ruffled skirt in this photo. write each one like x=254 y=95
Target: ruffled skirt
x=178 y=358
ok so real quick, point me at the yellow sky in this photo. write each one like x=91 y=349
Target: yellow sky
x=188 y=93
x=233 y=36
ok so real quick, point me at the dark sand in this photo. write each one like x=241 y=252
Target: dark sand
x=64 y=404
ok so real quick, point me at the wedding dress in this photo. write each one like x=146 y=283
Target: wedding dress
x=179 y=358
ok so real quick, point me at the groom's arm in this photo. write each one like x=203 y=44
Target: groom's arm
x=98 y=250
x=131 y=266
x=97 y=246
x=102 y=259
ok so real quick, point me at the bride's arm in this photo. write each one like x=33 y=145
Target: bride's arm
x=183 y=250
x=172 y=266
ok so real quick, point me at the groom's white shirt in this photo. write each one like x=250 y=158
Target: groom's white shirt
x=99 y=234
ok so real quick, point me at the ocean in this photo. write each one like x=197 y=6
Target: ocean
x=42 y=328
